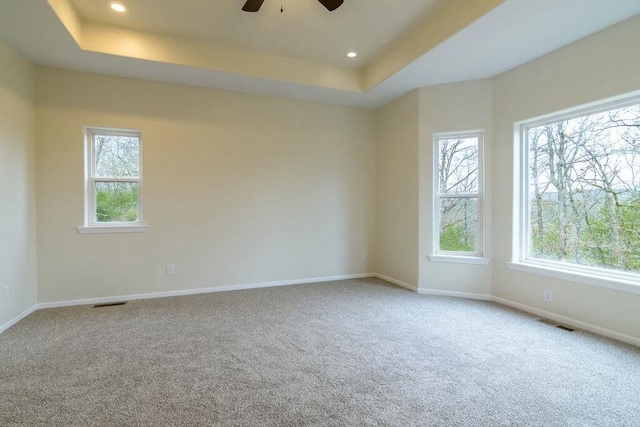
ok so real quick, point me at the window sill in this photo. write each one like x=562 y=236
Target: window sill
x=613 y=281
x=113 y=229
x=459 y=259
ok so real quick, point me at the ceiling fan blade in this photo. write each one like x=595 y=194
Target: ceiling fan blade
x=331 y=5
x=252 y=5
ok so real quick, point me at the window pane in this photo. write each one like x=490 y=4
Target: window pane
x=459 y=224
x=584 y=190
x=458 y=165
x=116 y=201
x=117 y=156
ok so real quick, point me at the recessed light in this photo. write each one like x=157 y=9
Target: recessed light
x=118 y=7
x=352 y=54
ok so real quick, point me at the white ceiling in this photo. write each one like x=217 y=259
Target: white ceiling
x=305 y=29
x=509 y=35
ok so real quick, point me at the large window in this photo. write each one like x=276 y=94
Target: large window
x=581 y=191
x=113 y=180
x=458 y=194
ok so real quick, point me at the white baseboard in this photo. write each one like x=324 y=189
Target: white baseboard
x=18 y=318
x=542 y=313
x=437 y=292
x=466 y=295
x=152 y=295
x=571 y=322
x=395 y=282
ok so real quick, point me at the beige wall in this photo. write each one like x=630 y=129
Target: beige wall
x=397 y=130
x=238 y=189
x=404 y=175
x=601 y=66
x=17 y=184
x=453 y=108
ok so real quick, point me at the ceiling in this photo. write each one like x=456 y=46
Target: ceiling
x=301 y=53
x=304 y=30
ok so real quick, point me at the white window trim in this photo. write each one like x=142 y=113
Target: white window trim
x=458 y=257
x=520 y=260
x=573 y=273
x=113 y=229
x=91 y=225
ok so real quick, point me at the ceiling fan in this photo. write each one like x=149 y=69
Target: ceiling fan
x=254 y=5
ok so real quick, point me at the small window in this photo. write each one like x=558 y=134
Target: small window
x=580 y=193
x=458 y=194
x=114 y=180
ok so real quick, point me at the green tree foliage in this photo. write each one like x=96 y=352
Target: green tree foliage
x=117 y=203
x=602 y=249
x=455 y=239
x=545 y=245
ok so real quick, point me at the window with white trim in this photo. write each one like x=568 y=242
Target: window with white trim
x=458 y=194
x=113 y=188
x=580 y=192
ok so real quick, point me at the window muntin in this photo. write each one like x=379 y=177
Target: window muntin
x=114 y=178
x=458 y=189
x=581 y=190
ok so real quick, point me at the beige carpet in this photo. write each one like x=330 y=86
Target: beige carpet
x=358 y=352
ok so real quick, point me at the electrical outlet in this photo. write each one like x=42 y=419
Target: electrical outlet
x=548 y=296
x=5 y=294
x=342 y=257
x=171 y=270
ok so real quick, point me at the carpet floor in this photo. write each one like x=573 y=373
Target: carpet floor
x=357 y=352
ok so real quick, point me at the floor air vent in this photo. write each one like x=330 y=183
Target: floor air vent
x=109 y=304
x=556 y=324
